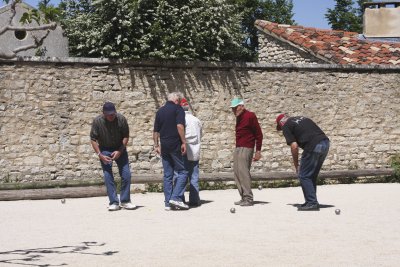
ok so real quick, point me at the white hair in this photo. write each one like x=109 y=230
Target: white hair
x=174 y=96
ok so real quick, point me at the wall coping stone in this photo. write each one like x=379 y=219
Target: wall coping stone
x=197 y=64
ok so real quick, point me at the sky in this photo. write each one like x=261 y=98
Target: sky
x=309 y=13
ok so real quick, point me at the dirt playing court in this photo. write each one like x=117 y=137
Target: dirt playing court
x=82 y=232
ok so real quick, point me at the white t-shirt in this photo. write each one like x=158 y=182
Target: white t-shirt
x=193 y=132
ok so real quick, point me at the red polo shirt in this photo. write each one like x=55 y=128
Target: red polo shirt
x=248 y=131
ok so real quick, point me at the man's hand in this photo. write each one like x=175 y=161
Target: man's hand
x=115 y=155
x=157 y=149
x=257 y=156
x=105 y=159
x=183 y=149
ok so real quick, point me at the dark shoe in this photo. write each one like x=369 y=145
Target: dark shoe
x=198 y=204
x=238 y=202
x=246 y=203
x=303 y=205
x=309 y=207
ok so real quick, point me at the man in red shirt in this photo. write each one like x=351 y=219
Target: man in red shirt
x=248 y=135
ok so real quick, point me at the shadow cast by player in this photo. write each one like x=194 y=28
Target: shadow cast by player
x=36 y=256
x=139 y=207
x=260 y=202
x=321 y=206
x=202 y=202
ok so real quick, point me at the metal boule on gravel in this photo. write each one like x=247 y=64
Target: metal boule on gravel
x=337 y=211
x=233 y=210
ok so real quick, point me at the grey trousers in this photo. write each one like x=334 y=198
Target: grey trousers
x=242 y=158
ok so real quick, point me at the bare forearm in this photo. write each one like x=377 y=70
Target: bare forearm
x=124 y=143
x=95 y=146
x=295 y=155
x=181 y=131
x=156 y=137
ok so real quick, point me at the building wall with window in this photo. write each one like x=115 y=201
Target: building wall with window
x=55 y=44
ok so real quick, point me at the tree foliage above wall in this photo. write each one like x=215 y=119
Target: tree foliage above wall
x=210 y=30
x=345 y=16
x=168 y=29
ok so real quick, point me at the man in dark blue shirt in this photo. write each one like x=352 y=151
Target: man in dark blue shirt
x=169 y=129
x=303 y=132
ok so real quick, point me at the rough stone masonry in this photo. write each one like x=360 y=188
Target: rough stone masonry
x=47 y=107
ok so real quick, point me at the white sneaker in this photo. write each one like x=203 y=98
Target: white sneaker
x=128 y=206
x=167 y=208
x=178 y=204
x=113 y=207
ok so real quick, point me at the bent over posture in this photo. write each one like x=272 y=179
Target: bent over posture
x=302 y=132
x=109 y=136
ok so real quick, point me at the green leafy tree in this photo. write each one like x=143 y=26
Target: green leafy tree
x=278 y=11
x=33 y=20
x=163 y=29
x=345 y=16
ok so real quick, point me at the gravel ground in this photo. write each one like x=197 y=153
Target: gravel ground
x=82 y=232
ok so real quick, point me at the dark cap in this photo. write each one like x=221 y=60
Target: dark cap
x=109 y=108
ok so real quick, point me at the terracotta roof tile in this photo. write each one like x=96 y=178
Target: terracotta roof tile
x=336 y=46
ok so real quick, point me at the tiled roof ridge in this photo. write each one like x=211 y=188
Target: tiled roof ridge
x=334 y=46
x=264 y=23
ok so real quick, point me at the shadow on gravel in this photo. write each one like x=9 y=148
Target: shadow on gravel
x=260 y=202
x=321 y=206
x=36 y=256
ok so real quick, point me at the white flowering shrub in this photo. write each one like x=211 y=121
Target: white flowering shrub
x=163 y=29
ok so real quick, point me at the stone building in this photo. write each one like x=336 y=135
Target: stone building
x=55 y=44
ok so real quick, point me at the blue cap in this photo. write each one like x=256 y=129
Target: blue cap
x=109 y=108
x=236 y=102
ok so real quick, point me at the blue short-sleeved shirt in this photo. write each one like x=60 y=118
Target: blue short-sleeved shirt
x=167 y=118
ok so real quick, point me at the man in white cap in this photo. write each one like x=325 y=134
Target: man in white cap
x=248 y=136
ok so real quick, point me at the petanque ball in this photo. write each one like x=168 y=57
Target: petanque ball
x=337 y=211
x=63 y=201
x=233 y=210
x=260 y=187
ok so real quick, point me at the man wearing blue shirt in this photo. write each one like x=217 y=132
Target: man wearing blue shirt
x=170 y=143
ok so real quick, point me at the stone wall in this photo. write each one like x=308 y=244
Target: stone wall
x=46 y=110
x=273 y=50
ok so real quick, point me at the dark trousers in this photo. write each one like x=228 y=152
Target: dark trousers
x=310 y=165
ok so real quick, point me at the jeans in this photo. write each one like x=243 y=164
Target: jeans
x=124 y=172
x=173 y=162
x=192 y=168
x=310 y=165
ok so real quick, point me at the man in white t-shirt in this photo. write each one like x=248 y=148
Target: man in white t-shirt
x=193 y=133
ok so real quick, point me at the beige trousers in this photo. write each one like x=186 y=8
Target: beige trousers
x=242 y=158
